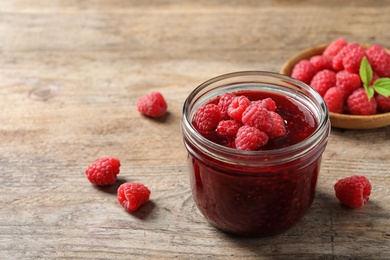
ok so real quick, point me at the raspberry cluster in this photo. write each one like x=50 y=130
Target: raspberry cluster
x=335 y=76
x=247 y=125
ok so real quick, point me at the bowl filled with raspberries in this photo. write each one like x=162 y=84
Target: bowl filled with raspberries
x=352 y=78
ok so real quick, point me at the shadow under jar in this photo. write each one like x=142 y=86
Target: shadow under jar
x=264 y=192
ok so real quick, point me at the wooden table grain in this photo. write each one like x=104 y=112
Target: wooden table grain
x=70 y=74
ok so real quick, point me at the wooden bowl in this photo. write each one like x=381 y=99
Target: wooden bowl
x=345 y=121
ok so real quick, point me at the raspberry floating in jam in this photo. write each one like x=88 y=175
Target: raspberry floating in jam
x=284 y=121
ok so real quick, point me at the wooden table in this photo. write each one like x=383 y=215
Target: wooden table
x=70 y=74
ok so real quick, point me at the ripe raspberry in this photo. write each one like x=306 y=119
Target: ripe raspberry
x=257 y=116
x=237 y=107
x=103 y=172
x=353 y=58
x=279 y=129
x=337 y=62
x=228 y=128
x=303 y=71
x=359 y=104
x=323 y=80
x=152 y=104
x=334 y=47
x=269 y=104
x=374 y=78
x=334 y=100
x=379 y=60
x=224 y=102
x=383 y=103
x=321 y=62
x=207 y=117
x=132 y=195
x=353 y=191
x=250 y=138
x=347 y=82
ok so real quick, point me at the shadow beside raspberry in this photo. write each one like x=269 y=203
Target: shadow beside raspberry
x=111 y=189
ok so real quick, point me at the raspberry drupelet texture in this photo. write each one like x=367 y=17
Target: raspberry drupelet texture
x=337 y=62
x=103 y=172
x=224 y=102
x=279 y=128
x=379 y=59
x=132 y=195
x=353 y=58
x=152 y=104
x=228 y=128
x=347 y=82
x=237 y=107
x=250 y=138
x=207 y=117
x=269 y=104
x=323 y=80
x=353 y=191
x=257 y=116
x=303 y=71
x=334 y=100
x=359 y=104
x=321 y=62
x=334 y=47
x=383 y=103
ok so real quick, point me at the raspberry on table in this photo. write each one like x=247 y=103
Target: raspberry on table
x=353 y=191
x=228 y=128
x=353 y=58
x=250 y=138
x=359 y=104
x=257 y=116
x=279 y=129
x=224 y=102
x=383 y=103
x=323 y=80
x=103 y=171
x=334 y=47
x=237 y=107
x=303 y=71
x=207 y=117
x=132 y=195
x=321 y=62
x=347 y=82
x=152 y=104
x=379 y=60
x=334 y=100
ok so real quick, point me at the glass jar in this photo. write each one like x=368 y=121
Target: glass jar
x=255 y=193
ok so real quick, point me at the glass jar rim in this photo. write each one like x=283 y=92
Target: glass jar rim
x=299 y=149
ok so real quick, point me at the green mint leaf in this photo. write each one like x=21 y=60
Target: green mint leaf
x=370 y=91
x=365 y=72
x=382 y=86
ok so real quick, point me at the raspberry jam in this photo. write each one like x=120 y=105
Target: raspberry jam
x=265 y=192
x=300 y=121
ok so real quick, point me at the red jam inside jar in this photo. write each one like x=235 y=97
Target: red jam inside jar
x=265 y=192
